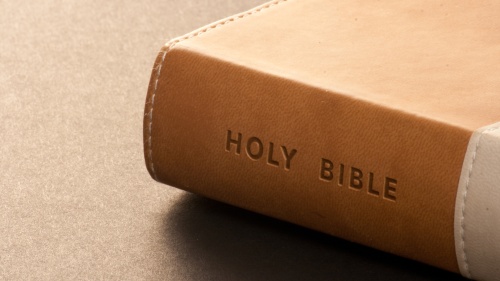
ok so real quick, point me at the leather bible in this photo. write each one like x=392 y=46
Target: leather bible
x=376 y=122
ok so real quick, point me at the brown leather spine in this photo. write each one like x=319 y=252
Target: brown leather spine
x=402 y=203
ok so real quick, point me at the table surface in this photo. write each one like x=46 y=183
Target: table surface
x=76 y=199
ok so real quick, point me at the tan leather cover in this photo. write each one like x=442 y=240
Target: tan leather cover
x=354 y=116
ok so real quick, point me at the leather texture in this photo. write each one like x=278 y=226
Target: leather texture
x=434 y=59
x=394 y=90
x=477 y=212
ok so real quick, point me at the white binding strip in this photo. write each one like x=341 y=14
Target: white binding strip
x=477 y=208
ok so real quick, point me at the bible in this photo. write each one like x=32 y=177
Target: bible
x=376 y=122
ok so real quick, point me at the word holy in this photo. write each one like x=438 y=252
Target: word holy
x=256 y=150
x=355 y=179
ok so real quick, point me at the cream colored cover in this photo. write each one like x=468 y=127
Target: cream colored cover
x=477 y=210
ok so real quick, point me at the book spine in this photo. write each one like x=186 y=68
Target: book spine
x=370 y=174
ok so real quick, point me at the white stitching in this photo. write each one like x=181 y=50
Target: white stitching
x=462 y=231
x=169 y=46
x=151 y=115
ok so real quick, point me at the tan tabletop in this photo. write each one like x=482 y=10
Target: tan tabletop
x=76 y=201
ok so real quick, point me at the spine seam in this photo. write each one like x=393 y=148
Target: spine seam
x=170 y=45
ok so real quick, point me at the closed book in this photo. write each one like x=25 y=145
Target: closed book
x=373 y=121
